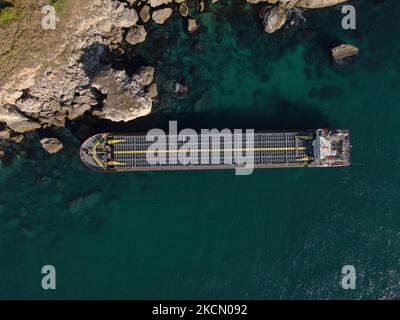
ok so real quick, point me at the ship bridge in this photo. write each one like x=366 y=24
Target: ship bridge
x=332 y=147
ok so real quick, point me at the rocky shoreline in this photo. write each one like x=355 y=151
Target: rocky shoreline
x=77 y=77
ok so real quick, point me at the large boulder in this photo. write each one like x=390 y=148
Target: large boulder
x=127 y=18
x=126 y=96
x=145 y=13
x=51 y=145
x=274 y=19
x=161 y=15
x=136 y=34
x=344 y=51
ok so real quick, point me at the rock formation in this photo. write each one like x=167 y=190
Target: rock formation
x=136 y=34
x=161 y=15
x=127 y=97
x=15 y=120
x=51 y=145
x=145 y=13
x=48 y=87
x=274 y=19
x=192 y=25
x=344 y=51
x=184 y=9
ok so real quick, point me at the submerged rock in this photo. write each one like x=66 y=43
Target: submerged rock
x=51 y=145
x=179 y=88
x=344 y=51
x=83 y=204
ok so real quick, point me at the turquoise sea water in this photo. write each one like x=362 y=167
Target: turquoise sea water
x=276 y=234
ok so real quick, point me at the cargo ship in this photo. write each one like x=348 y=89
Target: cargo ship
x=110 y=152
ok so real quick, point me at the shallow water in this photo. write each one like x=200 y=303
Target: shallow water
x=282 y=233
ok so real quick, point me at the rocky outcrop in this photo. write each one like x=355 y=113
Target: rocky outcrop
x=51 y=145
x=127 y=18
x=274 y=19
x=127 y=97
x=344 y=51
x=161 y=15
x=15 y=120
x=60 y=86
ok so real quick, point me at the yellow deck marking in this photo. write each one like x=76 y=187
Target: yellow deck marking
x=115 y=163
x=94 y=154
x=115 y=141
x=305 y=159
x=208 y=150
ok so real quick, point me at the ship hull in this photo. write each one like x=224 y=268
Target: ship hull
x=270 y=149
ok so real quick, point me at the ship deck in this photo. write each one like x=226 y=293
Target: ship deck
x=270 y=149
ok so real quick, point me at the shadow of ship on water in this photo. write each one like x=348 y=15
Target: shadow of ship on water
x=284 y=116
